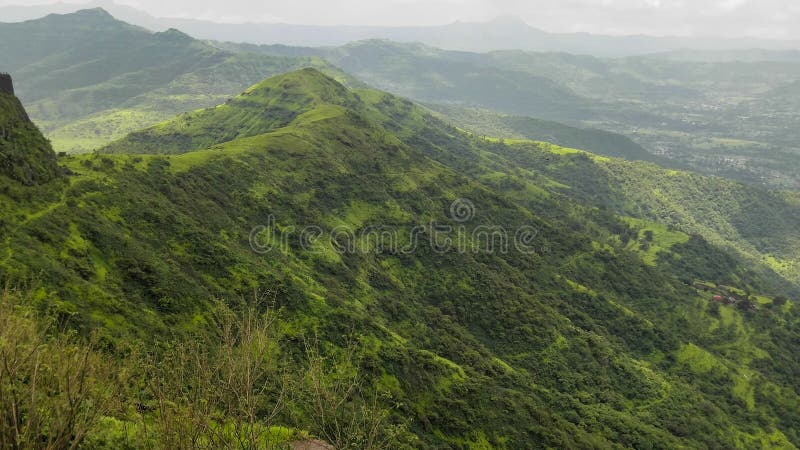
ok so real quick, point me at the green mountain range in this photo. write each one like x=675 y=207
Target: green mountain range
x=138 y=79
x=713 y=117
x=502 y=32
x=88 y=78
x=491 y=294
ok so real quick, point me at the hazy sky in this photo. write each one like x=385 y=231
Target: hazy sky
x=762 y=18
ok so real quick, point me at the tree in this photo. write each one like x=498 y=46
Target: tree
x=53 y=388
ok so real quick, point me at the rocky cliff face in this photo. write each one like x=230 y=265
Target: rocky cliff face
x=6 y=85
x=25 y=155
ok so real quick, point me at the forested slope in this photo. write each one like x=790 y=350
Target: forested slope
x=576 y=334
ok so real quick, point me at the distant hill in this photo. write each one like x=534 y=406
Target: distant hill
x=705 y=116
x=740 y=55
x=691 y=113
x=88 y=78
x=137 y=78
x=264 y=107
x=492 y=124
x=503 y=33
x=433 y=75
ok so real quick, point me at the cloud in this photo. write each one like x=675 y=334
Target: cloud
x=757 y=18
x=730 y=5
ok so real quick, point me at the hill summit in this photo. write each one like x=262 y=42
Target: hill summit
x=271 y=104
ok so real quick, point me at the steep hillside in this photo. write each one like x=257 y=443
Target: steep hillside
x=88 y=78
x=372 y=222
x=25 y=155
x=725 y=212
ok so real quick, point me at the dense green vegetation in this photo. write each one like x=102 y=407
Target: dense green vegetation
x=25 y=155
x=229 y=385
x=726 y=213
x=267 y=106
x=592 y=334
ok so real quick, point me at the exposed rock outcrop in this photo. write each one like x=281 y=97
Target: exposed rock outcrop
x=6 y=85
x=25 y=155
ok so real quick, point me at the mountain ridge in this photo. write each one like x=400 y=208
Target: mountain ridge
x=667 y=106
x=87 y=84
x=495 y=34
x=264 y=109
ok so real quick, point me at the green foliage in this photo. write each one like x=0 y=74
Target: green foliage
x=725 y=213
x=25 y=155
x=589 y=341
x=227 y=386
x=267 y=106
x=53 y=387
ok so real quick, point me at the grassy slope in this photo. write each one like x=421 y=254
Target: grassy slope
x=726 y=213
x=269 y=105
x=584 y=343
